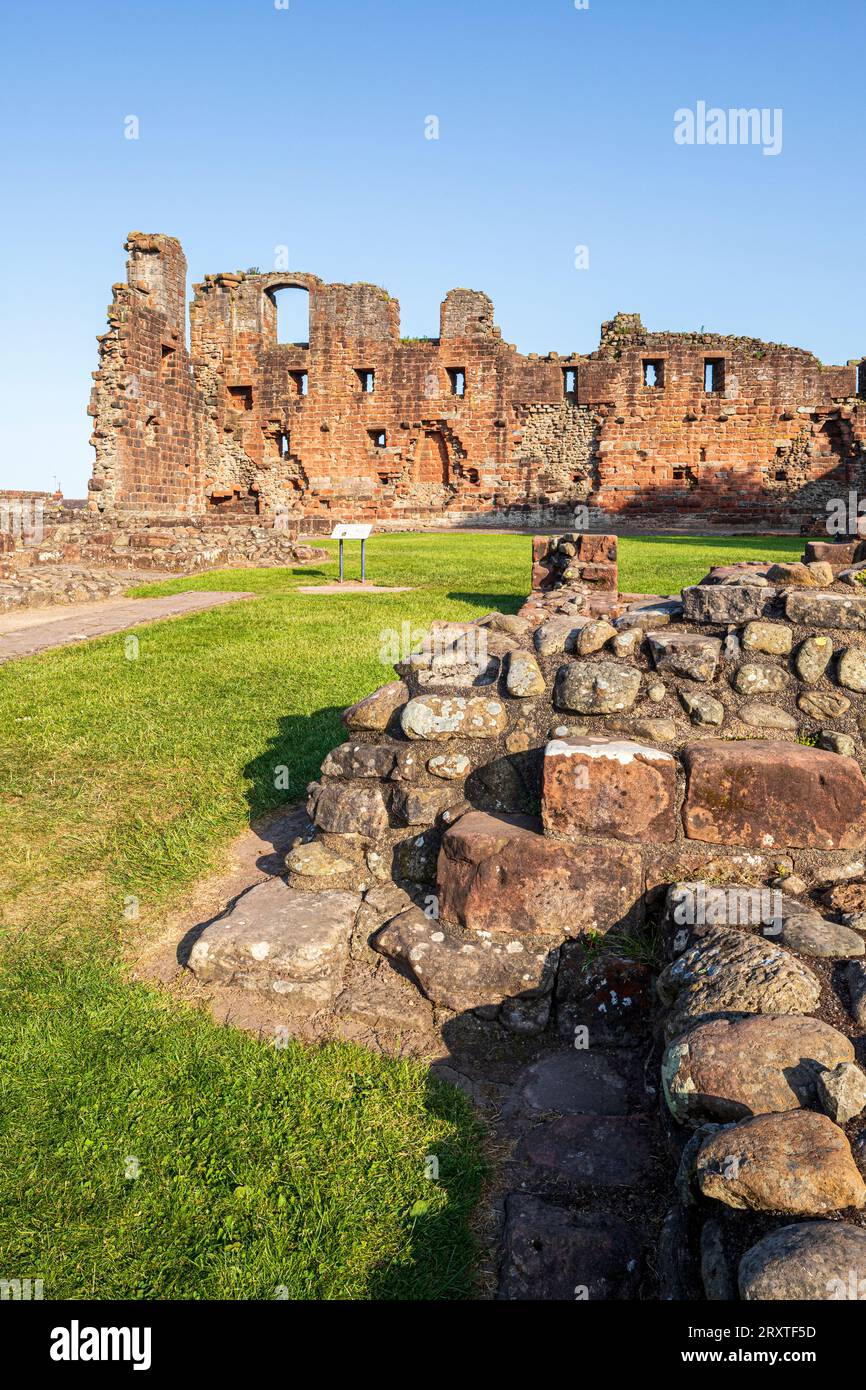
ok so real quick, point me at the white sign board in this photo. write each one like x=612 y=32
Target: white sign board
x=350 y=531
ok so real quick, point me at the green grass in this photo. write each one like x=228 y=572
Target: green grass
x=657 y=564
x=259 y=1167
x=163 y=1157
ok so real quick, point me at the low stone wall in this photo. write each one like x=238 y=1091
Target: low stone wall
x=763 y=1094
x=82 y=556
x=647 y=769
x=166 y=545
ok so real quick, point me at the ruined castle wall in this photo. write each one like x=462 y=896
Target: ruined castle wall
x=142 y=401
x=457 y=430
x=774 y=436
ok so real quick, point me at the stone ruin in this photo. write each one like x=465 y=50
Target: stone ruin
x=603 y=860
x=76 y=557
x=671 y=430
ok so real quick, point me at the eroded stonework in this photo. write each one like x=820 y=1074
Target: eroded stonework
x=694 y=428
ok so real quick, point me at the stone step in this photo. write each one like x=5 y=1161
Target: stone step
x=576 y=1153
x=281 y=942
x=499 y=873
x=555 y=1252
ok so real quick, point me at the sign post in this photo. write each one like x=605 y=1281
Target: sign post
x=352 y=531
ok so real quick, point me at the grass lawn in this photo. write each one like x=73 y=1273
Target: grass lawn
x=258 y=1169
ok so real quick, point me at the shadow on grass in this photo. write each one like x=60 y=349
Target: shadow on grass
x=292 y=759
x=501 y=603
x=444 y=1253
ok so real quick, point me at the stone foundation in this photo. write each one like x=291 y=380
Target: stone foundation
x=81 y=556
x=675 y=775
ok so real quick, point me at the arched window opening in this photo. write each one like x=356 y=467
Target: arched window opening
x=292 y=304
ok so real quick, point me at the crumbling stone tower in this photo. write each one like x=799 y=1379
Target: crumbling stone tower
x=142 y=401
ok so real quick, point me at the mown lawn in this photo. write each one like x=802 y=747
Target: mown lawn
x=261 y=1172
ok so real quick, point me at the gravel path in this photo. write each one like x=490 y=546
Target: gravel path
x=38 y=629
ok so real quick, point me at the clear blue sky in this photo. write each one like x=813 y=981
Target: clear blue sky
x=305 y=126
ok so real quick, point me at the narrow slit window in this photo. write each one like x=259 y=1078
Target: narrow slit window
x=367 y=378
x=457 y=378
x=378 y=438
x=714 y=376
x=654 y=373
x=861 y=379
x=283 y=444
x=166 y=360
x=301 y=382
x=569 y=379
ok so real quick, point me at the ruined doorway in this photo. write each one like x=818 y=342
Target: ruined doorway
x=432 y=459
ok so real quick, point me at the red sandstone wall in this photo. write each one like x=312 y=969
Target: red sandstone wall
x=142 y=399
x=227 y=429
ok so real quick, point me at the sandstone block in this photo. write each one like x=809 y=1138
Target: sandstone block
x=498 y=873
x=279 y=941
x=842 y=1092
x=422 y=805
x=558 y=634
x=608 y=786
x=360 y=760
x=702 y=708
x=811 y=935
x=551 y=1251
x=819 y=609
x=727 y=603
x=649 y=615
x=798 y=1162
x=466 y=970
x=593 y=636
x=792 y=573
x=314 y=860
x=348 y=809
x=813 y=1260
x=685 y=653
x=823 y=704
x=759 y=715
x=753 y=679
x=524 y=677
x=375 y=711
x=726 y=971
x=773 y=638
x=851 y=671
x=729 y=1069
x=596 y=687
x=449 y=766
x=837 y=743
x=762 y=793
x=813 y=657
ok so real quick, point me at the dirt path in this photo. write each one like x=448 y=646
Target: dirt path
x=33 y=630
